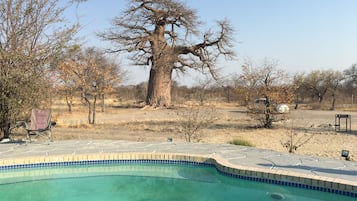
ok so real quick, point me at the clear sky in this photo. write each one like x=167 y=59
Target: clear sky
x=302 y=35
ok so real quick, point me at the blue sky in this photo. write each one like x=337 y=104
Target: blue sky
x=302 y=35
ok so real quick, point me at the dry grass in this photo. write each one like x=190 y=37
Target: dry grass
x=136 y=124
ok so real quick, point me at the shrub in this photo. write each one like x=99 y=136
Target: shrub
x=294 y=139
x=241 y=142
x=193 y=120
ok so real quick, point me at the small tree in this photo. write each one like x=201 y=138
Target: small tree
x=227 y=85
x=268 y=85
x=202 y=88
x=140 y=92
x=94 y=75
x=66 y=80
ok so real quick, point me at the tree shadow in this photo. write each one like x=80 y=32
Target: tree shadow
x=241 y=111
x=12 y=141
x=128 y=106
x=314 y=169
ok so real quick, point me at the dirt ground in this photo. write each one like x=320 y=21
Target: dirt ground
x=230 y=123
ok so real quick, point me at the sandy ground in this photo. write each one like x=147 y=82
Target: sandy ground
x=136 y=124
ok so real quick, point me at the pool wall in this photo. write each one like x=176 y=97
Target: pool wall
x=271 y=176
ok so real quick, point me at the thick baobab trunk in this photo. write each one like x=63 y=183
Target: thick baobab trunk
x=159 y=87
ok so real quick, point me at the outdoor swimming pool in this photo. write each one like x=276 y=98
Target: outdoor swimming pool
x=142 y=180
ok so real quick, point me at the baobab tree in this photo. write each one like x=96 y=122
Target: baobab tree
x=157 y=33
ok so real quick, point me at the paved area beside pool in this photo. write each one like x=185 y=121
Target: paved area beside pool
x=236 y=155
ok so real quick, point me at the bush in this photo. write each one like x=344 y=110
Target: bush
x=241 y=142
x=193 y=120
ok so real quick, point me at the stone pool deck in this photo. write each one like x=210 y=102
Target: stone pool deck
x=336 y=170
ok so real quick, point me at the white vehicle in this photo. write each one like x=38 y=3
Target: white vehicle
x=282 y=109
x=279 y=108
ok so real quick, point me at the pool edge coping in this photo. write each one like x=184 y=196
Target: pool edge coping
x=220 y=163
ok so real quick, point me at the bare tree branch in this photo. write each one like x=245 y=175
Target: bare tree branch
x=158 y=33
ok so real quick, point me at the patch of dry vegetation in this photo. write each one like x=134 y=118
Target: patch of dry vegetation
x=232 y=123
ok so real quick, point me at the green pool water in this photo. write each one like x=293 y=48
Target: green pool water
x=143 y=182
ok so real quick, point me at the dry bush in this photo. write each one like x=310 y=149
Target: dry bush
x=193 y=119
x=295 y=140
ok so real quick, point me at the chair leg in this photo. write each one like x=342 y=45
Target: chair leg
x=50 y=139
x=28 y=137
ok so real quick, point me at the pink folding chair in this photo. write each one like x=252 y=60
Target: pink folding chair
x=40 y=124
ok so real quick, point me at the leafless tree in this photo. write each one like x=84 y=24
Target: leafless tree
x=140 y=92
x=31 y=37
x=227 y=85
x=295 y=140
x=158 y=34
x=202 y=88
x=193 y=120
